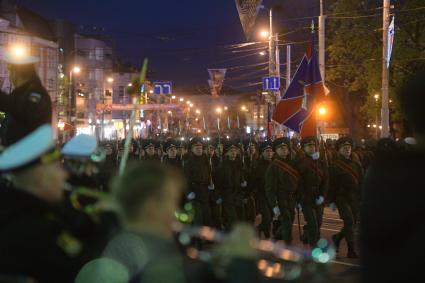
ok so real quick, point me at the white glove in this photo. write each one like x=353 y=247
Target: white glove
x=244 y=184
x=299 y=206
x=211 y=187
x=315 y=156
x=320 y=200
x=219 y=201
x=191 y=196
x=332 y=206
x=276 y=210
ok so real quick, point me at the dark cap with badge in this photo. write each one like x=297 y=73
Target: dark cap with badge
x=170 y=143
x=344 y=141
x=228 y=145
x=196 y=141
x=281 y=142
x=36 y=148
x=311 y=140
x=266 y=145
x=148 y=143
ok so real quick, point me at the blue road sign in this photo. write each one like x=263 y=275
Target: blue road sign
x=271 y=83
x=162 y=88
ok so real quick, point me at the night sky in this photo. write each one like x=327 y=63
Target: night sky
x=181 y=38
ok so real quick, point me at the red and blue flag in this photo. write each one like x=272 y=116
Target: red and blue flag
x=296 y=109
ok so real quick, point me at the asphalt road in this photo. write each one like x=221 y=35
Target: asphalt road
x=342 y=269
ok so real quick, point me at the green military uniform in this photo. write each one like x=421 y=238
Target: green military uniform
x=315 y=182
x=283 y=189
x=249 y=164
x=345 y=179
x=197 y=172
x=257 y=183
x=216 y=208
x=229 y=179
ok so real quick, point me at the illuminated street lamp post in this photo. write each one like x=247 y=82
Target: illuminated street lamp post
x=71 y=107
x=376 y=96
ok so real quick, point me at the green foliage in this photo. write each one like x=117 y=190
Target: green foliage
x=354 y=50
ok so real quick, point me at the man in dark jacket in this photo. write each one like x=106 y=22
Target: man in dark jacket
x=29 y=104
x=36 y=240
x=392 y=208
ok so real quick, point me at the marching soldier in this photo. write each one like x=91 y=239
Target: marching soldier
x=345 y=176
x=215 y=205
x=258 y=181
x=197 y=172
x=29 y=105
x=230 y=184
x=283 y=188
x=37 y=239
x=315 y=181
x=171 y=158
x=149 y=146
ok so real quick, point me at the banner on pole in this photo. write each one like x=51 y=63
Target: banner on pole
x=216 y=80
x=248 y=11
x=390 y=42
x=130 y=107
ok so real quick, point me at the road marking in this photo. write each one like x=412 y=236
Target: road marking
x=345 y=263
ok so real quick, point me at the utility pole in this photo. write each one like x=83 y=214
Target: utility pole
x=322 y=39
x=288 y=65
x=385 y=113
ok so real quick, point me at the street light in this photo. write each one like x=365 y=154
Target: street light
x=181 y=99
x=243 y=108
x=198 y=111
x=264 y=34
x=218 y=110
x=262 y=53
x=130 y=84
x=173 y=97
x=76 y=69
x=376 y=96
x=191 y=105
x=226 y=108
x=110 y=80
x=322 y=111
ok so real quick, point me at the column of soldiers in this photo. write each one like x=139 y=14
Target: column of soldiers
x=266 y=184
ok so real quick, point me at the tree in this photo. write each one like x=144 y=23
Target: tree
x=354 y=53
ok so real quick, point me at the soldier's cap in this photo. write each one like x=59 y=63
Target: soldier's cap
x=231 y=144
x=35 y=148
x=295 y=141
x=148 y=143
x=249 y=143
x=170 y=143
x=311 y=140
x=18 y=55
x=344 y=141
x=280 y=142
x=266 y=145
x=196 y=141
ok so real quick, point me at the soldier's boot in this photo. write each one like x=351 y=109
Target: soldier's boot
x=351 y=251
x=337 y=240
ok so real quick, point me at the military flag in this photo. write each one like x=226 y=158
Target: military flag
x=296 y=109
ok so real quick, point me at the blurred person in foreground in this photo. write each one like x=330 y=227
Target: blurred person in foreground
x=146 y=251
x=36 y=240
x=393 y=209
